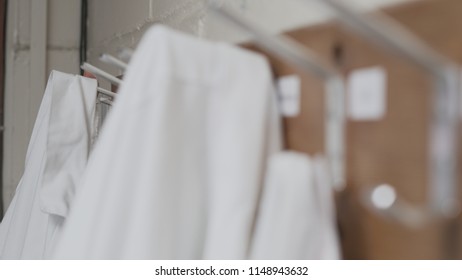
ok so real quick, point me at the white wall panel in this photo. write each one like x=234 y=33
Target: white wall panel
x=22 y=97
x=64 y=23
x=63 y=60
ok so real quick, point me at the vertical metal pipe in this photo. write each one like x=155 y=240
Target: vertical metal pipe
x=83 y=33
x=3 y=9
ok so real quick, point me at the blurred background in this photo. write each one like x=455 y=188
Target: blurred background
x=41 y=35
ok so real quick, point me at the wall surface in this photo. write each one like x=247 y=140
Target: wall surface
x=44 y=35
x=118 y=23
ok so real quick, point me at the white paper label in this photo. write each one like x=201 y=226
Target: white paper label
x=367 y=94
x=289 y=88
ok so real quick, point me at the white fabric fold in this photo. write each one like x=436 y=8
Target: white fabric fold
x=177 y=171
x=330 y=246
x=296 y=219
x=70 y=133
x=56 y=157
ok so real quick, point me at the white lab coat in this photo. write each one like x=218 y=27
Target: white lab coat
x=296 y=217
x=56 y=157
x=176 y=173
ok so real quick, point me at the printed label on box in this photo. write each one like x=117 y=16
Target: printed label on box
x=366 y=94
x=289 y=88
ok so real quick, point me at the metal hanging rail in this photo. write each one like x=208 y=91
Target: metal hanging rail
x=389 y=35
x=107 y=58
x=100 y=73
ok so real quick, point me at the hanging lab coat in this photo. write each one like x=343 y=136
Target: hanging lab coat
x=176 y=173
x=56 y=157
x=296 y=219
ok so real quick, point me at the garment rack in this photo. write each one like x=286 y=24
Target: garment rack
x=100 y=73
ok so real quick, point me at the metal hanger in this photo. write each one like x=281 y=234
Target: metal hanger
x=100 y=73
x=109 y=59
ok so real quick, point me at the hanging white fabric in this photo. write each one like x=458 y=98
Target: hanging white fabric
x=56 y=157
x=296 y=217
x=176 y=173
